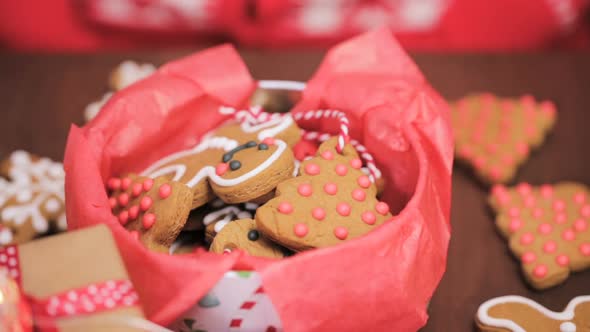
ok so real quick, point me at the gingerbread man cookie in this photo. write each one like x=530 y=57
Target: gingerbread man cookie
x=331 y=201
x=220 y=214
x=32 y=200
x=495 y=135
x=242 y=234
x=238 y=162
x=153 y=210
x=518 y=314
x=548 y=228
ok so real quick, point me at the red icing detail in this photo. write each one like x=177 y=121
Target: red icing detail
x=538 y=213
x=562 y=260
x=123 y=217
x=522 y=149
x=545 y=228
x=134 y=235
x=113 y=202
x=550 y=247
x=137 y=189
x=568 y=235
x=300 y=230
x=528 y=257
x=364 y=181
x=145 y=203
x=285 y=208
x=524 y=189
x=540 y=271
x=149 y=219
x=304 y=149
x=515 y=225
x=585 y=211
x=125 y=183
x=558 y=205
x=560 y=218
x=165 y=191
x=514 y=212
x=580 y=197
x=466 y=152
x=356 y=163
x=331 y=188
x=133 y=212
x=318 y=213
x=312 y=169
x=527 y=238
x=343 y=209
x=221 y=169
x=341 y=169
x=382 y=208
x=479 y=162
x=269 y=141
x=328 y=155
x=123 y=199
x=492 y=148
x=499 y=190
x=369 y=217
x=148 y=184
x=530 y=201
x=114 y=183
x=359 y=195
x=585 y=249
x=305 y=189
x=547 y=191
x=341 y=232
x=580 y=225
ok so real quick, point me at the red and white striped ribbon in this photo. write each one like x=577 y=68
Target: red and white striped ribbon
x=254 y=114
x=343 y=135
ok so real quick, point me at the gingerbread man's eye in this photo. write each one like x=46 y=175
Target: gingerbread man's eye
x=234 y=165
x=253 y=235
x=262 y=146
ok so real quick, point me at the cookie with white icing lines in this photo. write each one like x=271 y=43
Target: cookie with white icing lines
x=242 y=234
x=221 y=214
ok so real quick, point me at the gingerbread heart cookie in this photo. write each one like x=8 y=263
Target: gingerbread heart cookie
x=518 y=314
x=332 y=200
x=495 y=135
x=32 y=199
x=548 y=228
x=242 y=234
x=154 y=210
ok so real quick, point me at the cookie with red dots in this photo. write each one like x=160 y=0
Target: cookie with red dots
x=242 y=234
x=331 y=201
x=494 y=136
x=154 y=210
x=548 y=228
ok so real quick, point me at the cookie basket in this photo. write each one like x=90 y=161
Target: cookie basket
x=379 y=282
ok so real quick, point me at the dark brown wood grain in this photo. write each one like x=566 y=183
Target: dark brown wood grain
x=42 y=95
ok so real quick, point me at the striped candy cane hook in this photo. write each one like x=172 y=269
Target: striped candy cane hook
x=343 y=136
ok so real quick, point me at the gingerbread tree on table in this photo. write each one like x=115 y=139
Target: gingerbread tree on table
x=331 y=201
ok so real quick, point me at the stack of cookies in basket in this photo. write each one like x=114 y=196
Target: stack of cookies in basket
x=241 y=187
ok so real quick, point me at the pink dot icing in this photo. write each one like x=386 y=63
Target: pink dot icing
x=341 y=169
x=499 y=190
x=540 y=271
x=125 y=183
x=312 y=169
x=558 y=205
x=328 y=155
x=479 y=162
x=269 y=141
x=133 y=212
x=524 y=189
x=529 y=201
x=137 y=189
x=123 y=217
x=562 y=260
x=331 y=188
x=300 y=230
x=538 y=213
x=305 y=190
x=148 y=220
x=114 y=183
x=343 y=209
x=546 y=191
x=492 y=148
x=285 y=208
x=528 y=257
x=165 y=191
x=514 y=212
x=113 y=202
x=580 y=197
x=585 y=211
x=382 y=208
x=123 y=199
x=568 y=235
x=369 y=217
x=318 y=213
x=580 y=225
x=466 y=152
x=364 y=181
x=585 y=249
x=545 y=228
x=359 y=195
x=515 y=225
x=522 y=149
x=495 y=173
x=560 y=218
x=221 y=169
x=527 y=238
x=550 y=247
x=341 y=232
x=148 y=184
x=145 y=203
x=356 y=163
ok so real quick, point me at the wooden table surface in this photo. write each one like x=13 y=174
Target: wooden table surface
x=42 y=95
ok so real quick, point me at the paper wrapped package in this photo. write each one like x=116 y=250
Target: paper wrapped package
x=379 y=282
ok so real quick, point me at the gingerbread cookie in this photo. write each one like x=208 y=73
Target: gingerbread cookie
x=331 y=201
x=242 y=234
x=32 y=199
x=548 y=228
x=220 y=214
x=237 y=162
x=154 y=210
x=495 y=135
x=518 y=314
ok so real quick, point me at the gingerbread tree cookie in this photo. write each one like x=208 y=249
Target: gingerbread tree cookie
x=154 y=210
x=32 y=200
x=495 y=135
x=548 y=228
x=331 y=201
x=242 y=234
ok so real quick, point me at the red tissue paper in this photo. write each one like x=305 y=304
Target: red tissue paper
x=379 y=282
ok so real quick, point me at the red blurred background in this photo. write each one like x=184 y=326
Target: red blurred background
x=427 y=25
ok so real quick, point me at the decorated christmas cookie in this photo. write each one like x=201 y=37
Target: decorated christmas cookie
x=154 y=210
x=242 y=234
x=495 y=135
x=331 y=201
x=32 y=199
x=519 y=314
x=548 y=228
x=220 y=214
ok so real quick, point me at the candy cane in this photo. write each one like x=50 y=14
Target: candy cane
x=343 y=136
x=255 y=114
